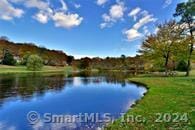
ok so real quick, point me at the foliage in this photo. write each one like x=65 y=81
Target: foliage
x=25 y=58
x=34 y=63
x=84 y=63
x=164 y=47
x=70 y=59
x=182 y=66
x=186 y=11
x=8 y=58
x=50 y=57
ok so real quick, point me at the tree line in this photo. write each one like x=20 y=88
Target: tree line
x=21 y=52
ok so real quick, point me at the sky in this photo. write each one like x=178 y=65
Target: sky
x=84 y=27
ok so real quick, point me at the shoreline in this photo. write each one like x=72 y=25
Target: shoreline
x=4 y=69
x=163 y=97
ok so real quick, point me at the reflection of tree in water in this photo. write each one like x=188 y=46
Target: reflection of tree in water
x=109 y=77
x=26 y=85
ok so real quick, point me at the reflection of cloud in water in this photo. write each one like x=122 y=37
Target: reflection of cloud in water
x=139 y=92
x=77 y=81
x=4 y=126
x=39 y=125
x=55 y=126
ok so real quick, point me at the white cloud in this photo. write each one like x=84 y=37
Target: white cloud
x=146 y=19
x=42 y=17
x=61 y=17
x=77 y=6
x=40 y=4
x=105 y=25
x=133 y=33
x=64 y=6
x=8 y=12
x=116 y=12
x=66 y=20
x=134 y=13
x=106 y=18
x=146 y=31
x=101 y=2
x=167 y=3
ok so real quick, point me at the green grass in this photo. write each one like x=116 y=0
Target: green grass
x=4 y=69
x=165 y=95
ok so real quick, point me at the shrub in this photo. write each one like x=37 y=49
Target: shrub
x=25 y=58
x=34 y=63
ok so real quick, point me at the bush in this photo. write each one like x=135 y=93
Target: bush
x=8 y=59
x=182 y=66
x=34 y=63
x=25 y=58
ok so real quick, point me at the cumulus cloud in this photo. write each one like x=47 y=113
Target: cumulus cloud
x=66 y=20
x=61 y=17
x=8 y=12
x=39 y=4
x=42 y=17
x=167 y=3
x=101 y=2
x=133 y=33
x=134 y=13
x=116 y=12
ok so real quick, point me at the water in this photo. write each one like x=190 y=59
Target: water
x=57 y=95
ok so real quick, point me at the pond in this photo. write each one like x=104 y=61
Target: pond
x=61 y=101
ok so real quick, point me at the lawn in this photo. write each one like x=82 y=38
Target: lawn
x=172 y=98
x=4 y=69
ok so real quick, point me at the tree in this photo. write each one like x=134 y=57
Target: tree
x=70 y=59
x=160 y=47
x=34 y=63
x=186 y=12
x=8 y=58
x=85 y=63
x=25 y=58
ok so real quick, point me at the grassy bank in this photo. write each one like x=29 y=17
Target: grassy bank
x=174 y=96
x=4 y=69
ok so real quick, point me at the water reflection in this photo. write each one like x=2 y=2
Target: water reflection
x=26 y=85
x=63 y=94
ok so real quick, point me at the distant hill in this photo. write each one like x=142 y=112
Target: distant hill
x=19 y=50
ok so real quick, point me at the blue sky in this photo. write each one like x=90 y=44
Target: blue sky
x=84 y=27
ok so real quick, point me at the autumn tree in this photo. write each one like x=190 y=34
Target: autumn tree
x=85 y=63
x=186 y=12
x=160 y=47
